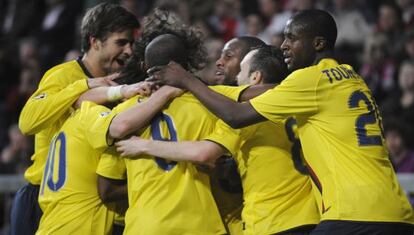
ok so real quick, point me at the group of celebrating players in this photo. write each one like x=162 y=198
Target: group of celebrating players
x=178 y=157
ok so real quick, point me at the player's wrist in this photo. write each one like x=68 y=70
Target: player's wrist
x=144 y=146
x=114 y=93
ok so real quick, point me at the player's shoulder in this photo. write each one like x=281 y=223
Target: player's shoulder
x=89 y=111
x=313 y=70
x=129 y=103
x=66 y=71
x=313 y=74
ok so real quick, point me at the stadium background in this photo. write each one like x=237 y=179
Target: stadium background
x=376 y=37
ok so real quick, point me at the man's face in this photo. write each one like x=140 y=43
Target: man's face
x=114 y=52
x=297 y=47
x=243 y=78
x=228 y=65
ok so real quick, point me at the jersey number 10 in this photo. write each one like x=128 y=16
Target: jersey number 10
x=50 y=165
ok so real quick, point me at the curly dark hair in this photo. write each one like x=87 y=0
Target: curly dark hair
x=165 y=22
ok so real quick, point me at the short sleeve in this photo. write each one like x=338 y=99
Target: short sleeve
x=233 y=92
x=128 y=103
x=230 y=138
x=111 y=165
x=96 y=119
x=294 y=96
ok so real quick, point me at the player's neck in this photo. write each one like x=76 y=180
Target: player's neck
x=322 y=55
x=92 y=65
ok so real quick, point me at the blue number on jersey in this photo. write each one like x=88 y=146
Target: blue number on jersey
x=296 y=148
x=50 y=165
x=364 y=119
x=156 y=135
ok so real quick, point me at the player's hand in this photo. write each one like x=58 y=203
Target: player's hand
x=130 y=147
x=171 y=74
x=141 y=88
x=103 y=81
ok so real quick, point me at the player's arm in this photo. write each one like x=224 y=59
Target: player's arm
x=201 y=152
x=139 y=115
x=102 y=95
x=111 y=190
x=53 y=98
x=223 y=107
x=111 y=171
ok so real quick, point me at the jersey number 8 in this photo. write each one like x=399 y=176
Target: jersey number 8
x=156 y=135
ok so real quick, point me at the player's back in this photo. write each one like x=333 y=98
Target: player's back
x=277 y=196
x=170 y=197
x=344 y=146
x=173 y=197
x=355 y=163
x=68 y=195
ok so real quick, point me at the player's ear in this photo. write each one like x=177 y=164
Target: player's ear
x=94 y=42
x=256 y=77
x=319 y=43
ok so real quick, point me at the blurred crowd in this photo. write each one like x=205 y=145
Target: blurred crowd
x=375 y=37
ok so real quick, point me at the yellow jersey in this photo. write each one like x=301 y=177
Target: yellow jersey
x=48 y=108
x=277 y=193
x=167 y=197
x=68 y=193
x=341 y=134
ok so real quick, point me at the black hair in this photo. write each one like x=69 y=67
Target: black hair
x=269 y=61
x=103 y=19
x=317 y=23
x=249 y=43
x=164 y=48
x=164 y=22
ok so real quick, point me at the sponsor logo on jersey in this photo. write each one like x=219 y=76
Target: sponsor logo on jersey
x=104 y=114
x=40 y=96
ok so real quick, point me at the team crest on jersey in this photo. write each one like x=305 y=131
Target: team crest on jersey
x=104 y=114
x=40 y=96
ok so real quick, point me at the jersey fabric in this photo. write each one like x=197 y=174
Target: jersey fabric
x=68 y=193
x=277 y=197
x=169 y=197
x=340 y=131
x=48 y=108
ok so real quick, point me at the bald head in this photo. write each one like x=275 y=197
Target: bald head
x=164 y=48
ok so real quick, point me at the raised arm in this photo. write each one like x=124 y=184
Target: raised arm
x=201 y=152
x=235 y=114
x=139 y=115
x=102 y=95
x=54 y=97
